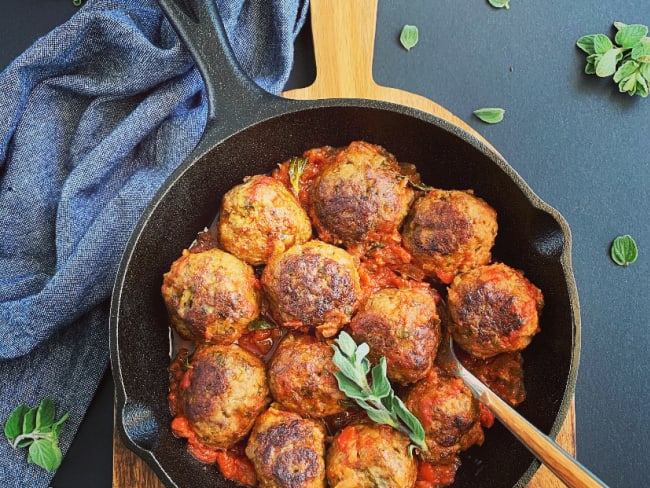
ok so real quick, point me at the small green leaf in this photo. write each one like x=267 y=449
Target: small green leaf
x=624 y=250
x=362 y=351
x=590 y=68
x=409 y=36
x=628 y=35
x=29 y=421
x=607 y=64
x=500 y=3
x=381 y=417
x=490 y=115
x=346 y=343
x=586 y=43
x=260 y=323
x=641 y=51
x=58 y=425
x=45 y=453
x=625 y=70
x=14 y=424
x=380 y=384
x=45 y=414
x=345 y=367
x=296 y=169
x=619 y=25
x=602 y=44
x=349 y=387
x=644 y=69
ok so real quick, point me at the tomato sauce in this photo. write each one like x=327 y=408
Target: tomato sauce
x=435 y=475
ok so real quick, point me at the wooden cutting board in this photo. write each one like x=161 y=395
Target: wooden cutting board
x=344 y=57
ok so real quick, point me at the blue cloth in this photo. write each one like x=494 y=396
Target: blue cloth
x=93 y=118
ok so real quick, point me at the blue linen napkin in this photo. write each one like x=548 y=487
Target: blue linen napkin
x=93 y=118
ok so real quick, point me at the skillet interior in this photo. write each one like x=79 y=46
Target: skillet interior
x=530 y=238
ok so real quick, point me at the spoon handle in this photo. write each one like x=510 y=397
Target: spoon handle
x=560 y=462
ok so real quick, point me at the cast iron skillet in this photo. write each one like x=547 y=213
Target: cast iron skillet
x=249 y=132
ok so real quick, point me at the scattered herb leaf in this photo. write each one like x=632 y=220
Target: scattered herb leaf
x=500 y=3
x=409 y=36
x=627 y=58
x=296 y=168
x=260 y=323
x=35 y=427
x=377 y=399
x=490 y=115
x=624 y=250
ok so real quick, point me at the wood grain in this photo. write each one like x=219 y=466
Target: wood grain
x=344 y=34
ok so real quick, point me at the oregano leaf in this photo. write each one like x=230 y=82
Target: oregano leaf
x=628 y=35
x=409 y=36
x=624 y=250
x=45 y=453
x=602 y=44
x=490 y=115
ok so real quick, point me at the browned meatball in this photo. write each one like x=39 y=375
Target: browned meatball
x=313 y=285
x=369 y=456
x=222 y=392
x=211 y=296
x=448 y=232
x=493 y=309
x=287 y=450
x=401 y=324
x=449 y=414
x=261 y=218
x=359 y=192
x=301 y=377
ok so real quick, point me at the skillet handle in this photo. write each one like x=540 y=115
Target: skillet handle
x=230 y=91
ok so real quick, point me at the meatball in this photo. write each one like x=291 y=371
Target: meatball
x=211 y=296
x=222 y=392
x=287 y=450
x=368 y=456
x=401 y=324
x=493 y=309
x=449 y=414
x=359 y=192
x=313 y=285
x=261 y=218
x=448 y=232
x=301 y=377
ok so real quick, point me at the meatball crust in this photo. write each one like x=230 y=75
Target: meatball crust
x=369 y=456
x=402 y=325
x=449 y=414
x=222 y=392
x=448 y=232
x=301 y=377
x=287 y=450
x=211 y=296
x=360 y=191
x=313 y=285
x=261 y=218
x=493 y=309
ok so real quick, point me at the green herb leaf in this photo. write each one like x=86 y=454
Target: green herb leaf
x=409 y=36
x=260 y=323
x=296 y=168
x=490 y=115
x=602 y=43
x=606 y=66
x=624 y=250
x=628 y=35
x=45 y=414
x=641 y=51
x=625 y=70
x=586 y=43
x=500 y=3
x=45 y=453
x=14 y=424
x=378 y=400
x=29 y=421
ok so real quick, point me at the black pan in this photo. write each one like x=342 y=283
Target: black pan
x=249 y=132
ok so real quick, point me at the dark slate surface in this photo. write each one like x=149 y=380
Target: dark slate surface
x=582 y=146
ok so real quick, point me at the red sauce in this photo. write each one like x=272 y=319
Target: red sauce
x=435 y=475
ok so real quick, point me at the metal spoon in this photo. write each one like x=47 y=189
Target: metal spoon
x=560 y=462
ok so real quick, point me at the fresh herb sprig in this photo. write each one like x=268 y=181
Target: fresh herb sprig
x=377 y=399
x=35 y=428
x=490 y=115
x=627 y=58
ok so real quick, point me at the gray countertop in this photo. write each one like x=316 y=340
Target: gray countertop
x=583 y=147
